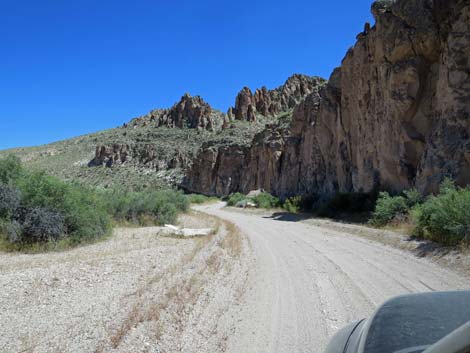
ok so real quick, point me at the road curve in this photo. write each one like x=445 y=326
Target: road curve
x=309 y=281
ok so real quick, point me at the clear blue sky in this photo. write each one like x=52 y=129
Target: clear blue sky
x=72 y=67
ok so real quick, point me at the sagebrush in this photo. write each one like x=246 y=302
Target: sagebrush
x=445 y=218
x=38 y=208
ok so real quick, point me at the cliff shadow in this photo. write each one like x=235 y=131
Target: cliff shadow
x=289 y=217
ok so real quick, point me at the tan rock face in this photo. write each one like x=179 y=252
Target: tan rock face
x=111 y=154
x=272 y=102
x=189 y=112
x=395 y=115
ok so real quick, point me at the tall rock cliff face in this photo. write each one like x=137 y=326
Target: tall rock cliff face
x=396 y=114
x=272 y=102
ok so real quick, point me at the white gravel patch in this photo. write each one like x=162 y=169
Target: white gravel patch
x=136 y=292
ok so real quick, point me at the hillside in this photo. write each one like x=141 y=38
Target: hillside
x=155 y=150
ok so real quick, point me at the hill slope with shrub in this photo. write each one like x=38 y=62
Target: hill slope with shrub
x=155 y=150
x=38 y=211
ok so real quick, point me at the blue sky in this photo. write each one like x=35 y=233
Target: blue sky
x=72 y=67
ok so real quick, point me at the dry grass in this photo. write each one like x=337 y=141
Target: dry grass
x=233 y=240
x=400 y=227
x=184 y=283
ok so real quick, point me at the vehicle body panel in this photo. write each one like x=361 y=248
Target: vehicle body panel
x=405 y=324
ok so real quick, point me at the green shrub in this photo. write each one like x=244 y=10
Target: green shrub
x=387 y=208
x=235 y=198
x=86 y=217
x=37 y=208
x=413 y=197
x=83 y=210
x=10 y=198
x=10 y=169
x=177 y=198
x=156 y=207
x=47 y=206
x=445 y=218
x=39 y=189
x=266 y=200
x=292 y=204
x=198 y=198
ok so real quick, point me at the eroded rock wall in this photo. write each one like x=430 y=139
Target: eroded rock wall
x=141 y=155
x=395 y=115
x=272 y=102
x=189 y=112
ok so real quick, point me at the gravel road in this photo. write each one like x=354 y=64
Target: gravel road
x=270 y=285
x=308 y=281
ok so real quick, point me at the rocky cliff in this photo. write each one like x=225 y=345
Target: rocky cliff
x=189 y=112
x=272 y=102
x=139 y=147
x=192 y=123
x=395 y=115
x=141 y=154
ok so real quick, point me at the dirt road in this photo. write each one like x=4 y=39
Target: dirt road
x=309 y=281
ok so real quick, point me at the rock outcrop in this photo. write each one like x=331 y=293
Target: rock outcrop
x=395 y=115
x=138 y=155
x=109 y=155
x=272 y=102
x=189 y=112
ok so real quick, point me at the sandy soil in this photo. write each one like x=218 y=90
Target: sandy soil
x=310 y=280
x=136 y=292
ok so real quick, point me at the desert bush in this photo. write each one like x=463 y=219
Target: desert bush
x=85 y=216
x=387 y=208
x=10 y=198
x=445 y=218
x=266 y=200
x=235 y=198
x=40 y=225
x=413 y=197
x=39 y=189
x=38 y=208
x=10 y=169
x=292 y=204
x=12 y=229
x=156 y=207
x=176 y=198
x=198 y=198
x=48 y=209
